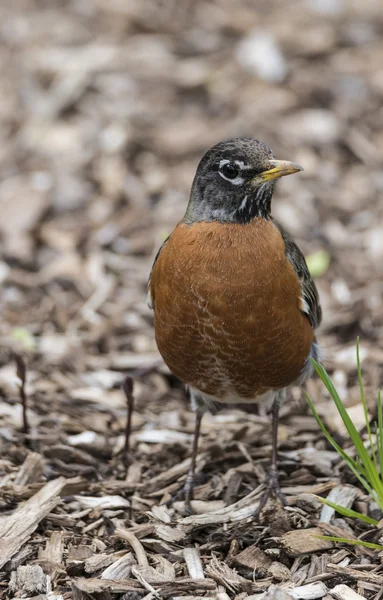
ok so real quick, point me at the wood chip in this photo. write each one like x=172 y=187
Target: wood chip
x=238 y=511
x=97 y=586
x=193 y=563
x=22 y=556
x=50 y=557
x=149 y=575
x=179 y=586
x=201 y=507
x=104 y=502
x=161 y=513
x=15 y=529
x=163 y=436
x=310 y=591
x=252 y=562
x=120 y=569
x=101 y=561
x=169 y=534
x=344 y=495
x=273 y=593
x=79 y=553
x=350 y=573
x=31 y=470
x=279 y=571
x=344 y=592
x=54 y=548
x=29 y=580
x=221 y=596
x=224 y=575
x=304 y=541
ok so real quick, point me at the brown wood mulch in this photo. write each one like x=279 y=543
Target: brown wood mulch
x=105 y=109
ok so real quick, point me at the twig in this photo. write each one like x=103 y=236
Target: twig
x=145 y=583
x=21 y=371
x=138 y=548
x=128 y=387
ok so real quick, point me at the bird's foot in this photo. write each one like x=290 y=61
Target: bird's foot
x=272 y=487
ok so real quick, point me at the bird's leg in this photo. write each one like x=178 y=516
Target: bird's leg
x=189 y=483
x=272 y=480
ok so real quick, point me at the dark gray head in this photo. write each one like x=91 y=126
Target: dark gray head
x=235 y=182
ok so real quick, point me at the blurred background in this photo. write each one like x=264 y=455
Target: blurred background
x=105 y=110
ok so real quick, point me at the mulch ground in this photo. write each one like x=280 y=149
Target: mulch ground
x=105 y=110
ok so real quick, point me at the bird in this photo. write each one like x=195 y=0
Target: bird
x=235 y=307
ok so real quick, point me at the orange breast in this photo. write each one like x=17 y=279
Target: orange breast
x=226 y=309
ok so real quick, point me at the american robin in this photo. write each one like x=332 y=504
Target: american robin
x=234 y=305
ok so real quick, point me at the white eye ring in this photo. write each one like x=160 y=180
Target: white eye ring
x=237 y=180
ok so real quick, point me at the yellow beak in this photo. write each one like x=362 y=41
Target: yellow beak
x=280 y=168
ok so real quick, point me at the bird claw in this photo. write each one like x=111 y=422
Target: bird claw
x=272 y=486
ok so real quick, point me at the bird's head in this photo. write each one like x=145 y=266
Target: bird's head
x=235 y=181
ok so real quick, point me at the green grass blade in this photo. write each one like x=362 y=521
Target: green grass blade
x=354 y=466
x=347 y=512
x=328 y=436
x=371 y=472
x=364 y=404
x=351 y=429
x=348 y=460
x=380 y=434
x=340 y=540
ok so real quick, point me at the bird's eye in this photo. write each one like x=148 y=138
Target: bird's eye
x=229 y=171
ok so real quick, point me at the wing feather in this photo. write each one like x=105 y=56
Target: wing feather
x=149 y=296
x=310 y=297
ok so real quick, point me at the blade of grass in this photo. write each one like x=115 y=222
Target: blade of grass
x=371 y=473
x=380 y=436
x=352 y=542
x=366 y=461
x=348 y=460
x=364 y=404
x=329 y=437
x=347 y=512
x=351 y=429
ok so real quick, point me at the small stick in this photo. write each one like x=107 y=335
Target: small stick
x=21 y=371
x=128 y=387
